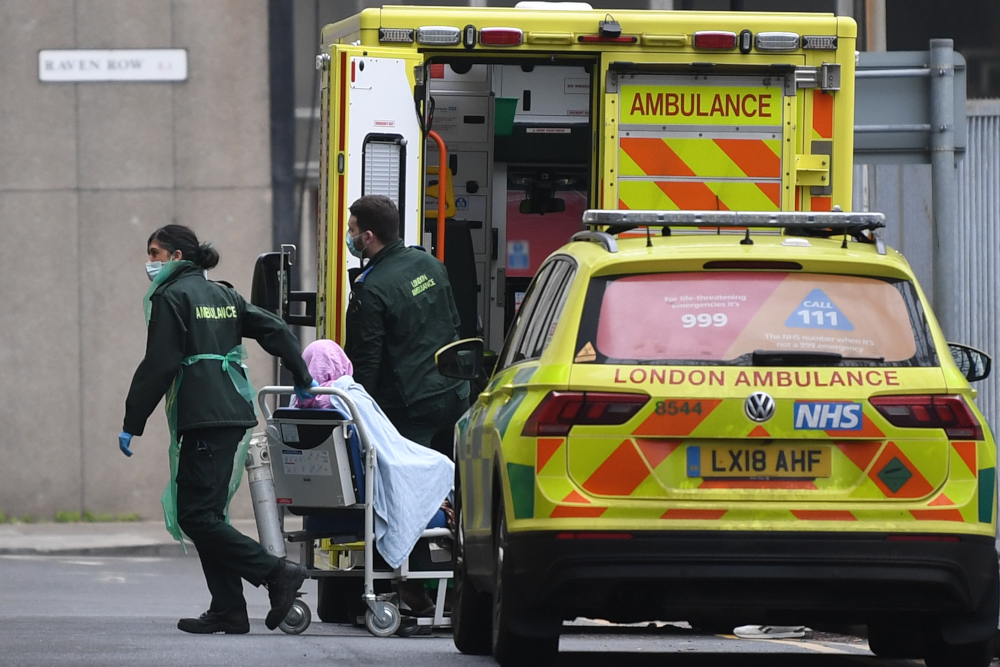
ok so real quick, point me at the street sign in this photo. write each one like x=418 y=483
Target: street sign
x=892 y=113
x=102 y=65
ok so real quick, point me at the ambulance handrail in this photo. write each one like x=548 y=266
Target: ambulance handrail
x=370 y=463
x=442 y=182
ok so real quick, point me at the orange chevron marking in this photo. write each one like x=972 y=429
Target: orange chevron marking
x=575 y=497
x=656 y=451
x=937 y=515
x=752 y=156
x=941 y=500
x=967 y=450
x=758 y=484
x=860 y=453
x=759 y=432
x=823 y=114
x=678 y=425
x=915 y=487
x=568 y=512
x=772 y=190
x=546 y=448
x=824 y=515
x=821 y=204
x=655 y=157
x=704 y=515
x=620 y=473
x=692 y=195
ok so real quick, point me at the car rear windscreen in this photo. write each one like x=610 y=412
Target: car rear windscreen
x=727 y=317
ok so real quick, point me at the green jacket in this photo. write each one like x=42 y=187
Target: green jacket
x=191 y=315
x=401 y=313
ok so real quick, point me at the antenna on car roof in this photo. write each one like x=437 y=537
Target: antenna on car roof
x=649 y=241
x=837 y=209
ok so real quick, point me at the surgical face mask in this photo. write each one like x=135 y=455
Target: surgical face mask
x=152 y=268
x=353 y=249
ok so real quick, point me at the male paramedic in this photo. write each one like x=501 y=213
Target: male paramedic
x=194 y=355
x=401 y=313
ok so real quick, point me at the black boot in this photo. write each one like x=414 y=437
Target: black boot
x=282 y=589
x=232 y=622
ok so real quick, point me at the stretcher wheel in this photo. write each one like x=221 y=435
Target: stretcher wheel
x=384 y=621
x=297 y=619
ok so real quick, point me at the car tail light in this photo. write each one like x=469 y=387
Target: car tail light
x=714 y=39
x=500 y=37
x=561 y=410
x=950 y=413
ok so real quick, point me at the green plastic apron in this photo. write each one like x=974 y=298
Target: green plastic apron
x=242 y=383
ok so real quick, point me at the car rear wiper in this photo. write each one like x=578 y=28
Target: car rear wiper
x=804 y=358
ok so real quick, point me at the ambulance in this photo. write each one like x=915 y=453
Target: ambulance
x=529 y=116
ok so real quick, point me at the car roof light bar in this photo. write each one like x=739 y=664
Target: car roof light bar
x=834 y=220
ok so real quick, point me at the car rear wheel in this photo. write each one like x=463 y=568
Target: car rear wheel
x=471 y=615
x=896 y=639
x=978 y=654
x=510 y=648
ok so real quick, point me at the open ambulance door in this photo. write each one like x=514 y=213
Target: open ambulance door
x=689 y=137
x=370 y=144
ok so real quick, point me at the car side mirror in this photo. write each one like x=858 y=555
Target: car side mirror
x=462 y=359
x=974 y=364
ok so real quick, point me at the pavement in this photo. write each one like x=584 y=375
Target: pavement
x=127 y=538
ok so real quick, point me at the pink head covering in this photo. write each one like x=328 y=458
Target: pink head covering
x=327 y=363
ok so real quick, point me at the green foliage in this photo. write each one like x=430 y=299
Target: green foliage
x=3 y=517
x=66 y=516
x=28 y=518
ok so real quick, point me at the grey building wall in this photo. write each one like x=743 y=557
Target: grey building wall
x=87 y=172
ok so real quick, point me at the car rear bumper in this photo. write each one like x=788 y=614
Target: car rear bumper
x=851 y=577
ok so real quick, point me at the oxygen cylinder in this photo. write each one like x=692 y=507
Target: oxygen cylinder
x=265 y=505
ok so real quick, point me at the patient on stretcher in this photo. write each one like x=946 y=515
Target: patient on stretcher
x=411 y=480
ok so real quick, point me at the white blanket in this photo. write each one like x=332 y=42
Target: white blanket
x=411 y=481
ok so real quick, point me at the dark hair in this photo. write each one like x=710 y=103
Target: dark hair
x=379 y=215
x=179 y=237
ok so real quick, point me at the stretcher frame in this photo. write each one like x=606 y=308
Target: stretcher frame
x=382 y=616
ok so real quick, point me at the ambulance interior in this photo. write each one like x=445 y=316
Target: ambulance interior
x=519 y=142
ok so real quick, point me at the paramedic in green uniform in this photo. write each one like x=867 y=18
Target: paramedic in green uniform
x=401 y=313
x=194 y=335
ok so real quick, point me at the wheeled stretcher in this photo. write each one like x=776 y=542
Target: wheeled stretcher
x=320 y=465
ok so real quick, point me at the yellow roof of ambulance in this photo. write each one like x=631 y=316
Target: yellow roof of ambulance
x=364 y=26
x=689 y=252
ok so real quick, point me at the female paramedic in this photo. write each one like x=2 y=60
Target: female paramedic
x=194 y=356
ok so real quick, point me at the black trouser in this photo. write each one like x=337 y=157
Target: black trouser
x=432 y=428
x=227 y=555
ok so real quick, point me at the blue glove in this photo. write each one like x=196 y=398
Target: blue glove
x=303 y=394
x=124 y=440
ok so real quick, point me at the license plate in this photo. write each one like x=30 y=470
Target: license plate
x=758 y=462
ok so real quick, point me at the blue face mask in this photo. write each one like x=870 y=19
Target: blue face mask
x=353 y=249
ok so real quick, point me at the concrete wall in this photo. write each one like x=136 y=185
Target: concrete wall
x=87 y=172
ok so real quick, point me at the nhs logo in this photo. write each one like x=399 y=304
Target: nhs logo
x=828 y=416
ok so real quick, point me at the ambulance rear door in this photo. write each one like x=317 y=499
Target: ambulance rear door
x=694 y=141
x=371 y=144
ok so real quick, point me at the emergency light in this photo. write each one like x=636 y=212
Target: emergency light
x=439 y=35
x=777 y=41
x=819 y=42
x=500 y=36
x=714 y=39
x=821 y=220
